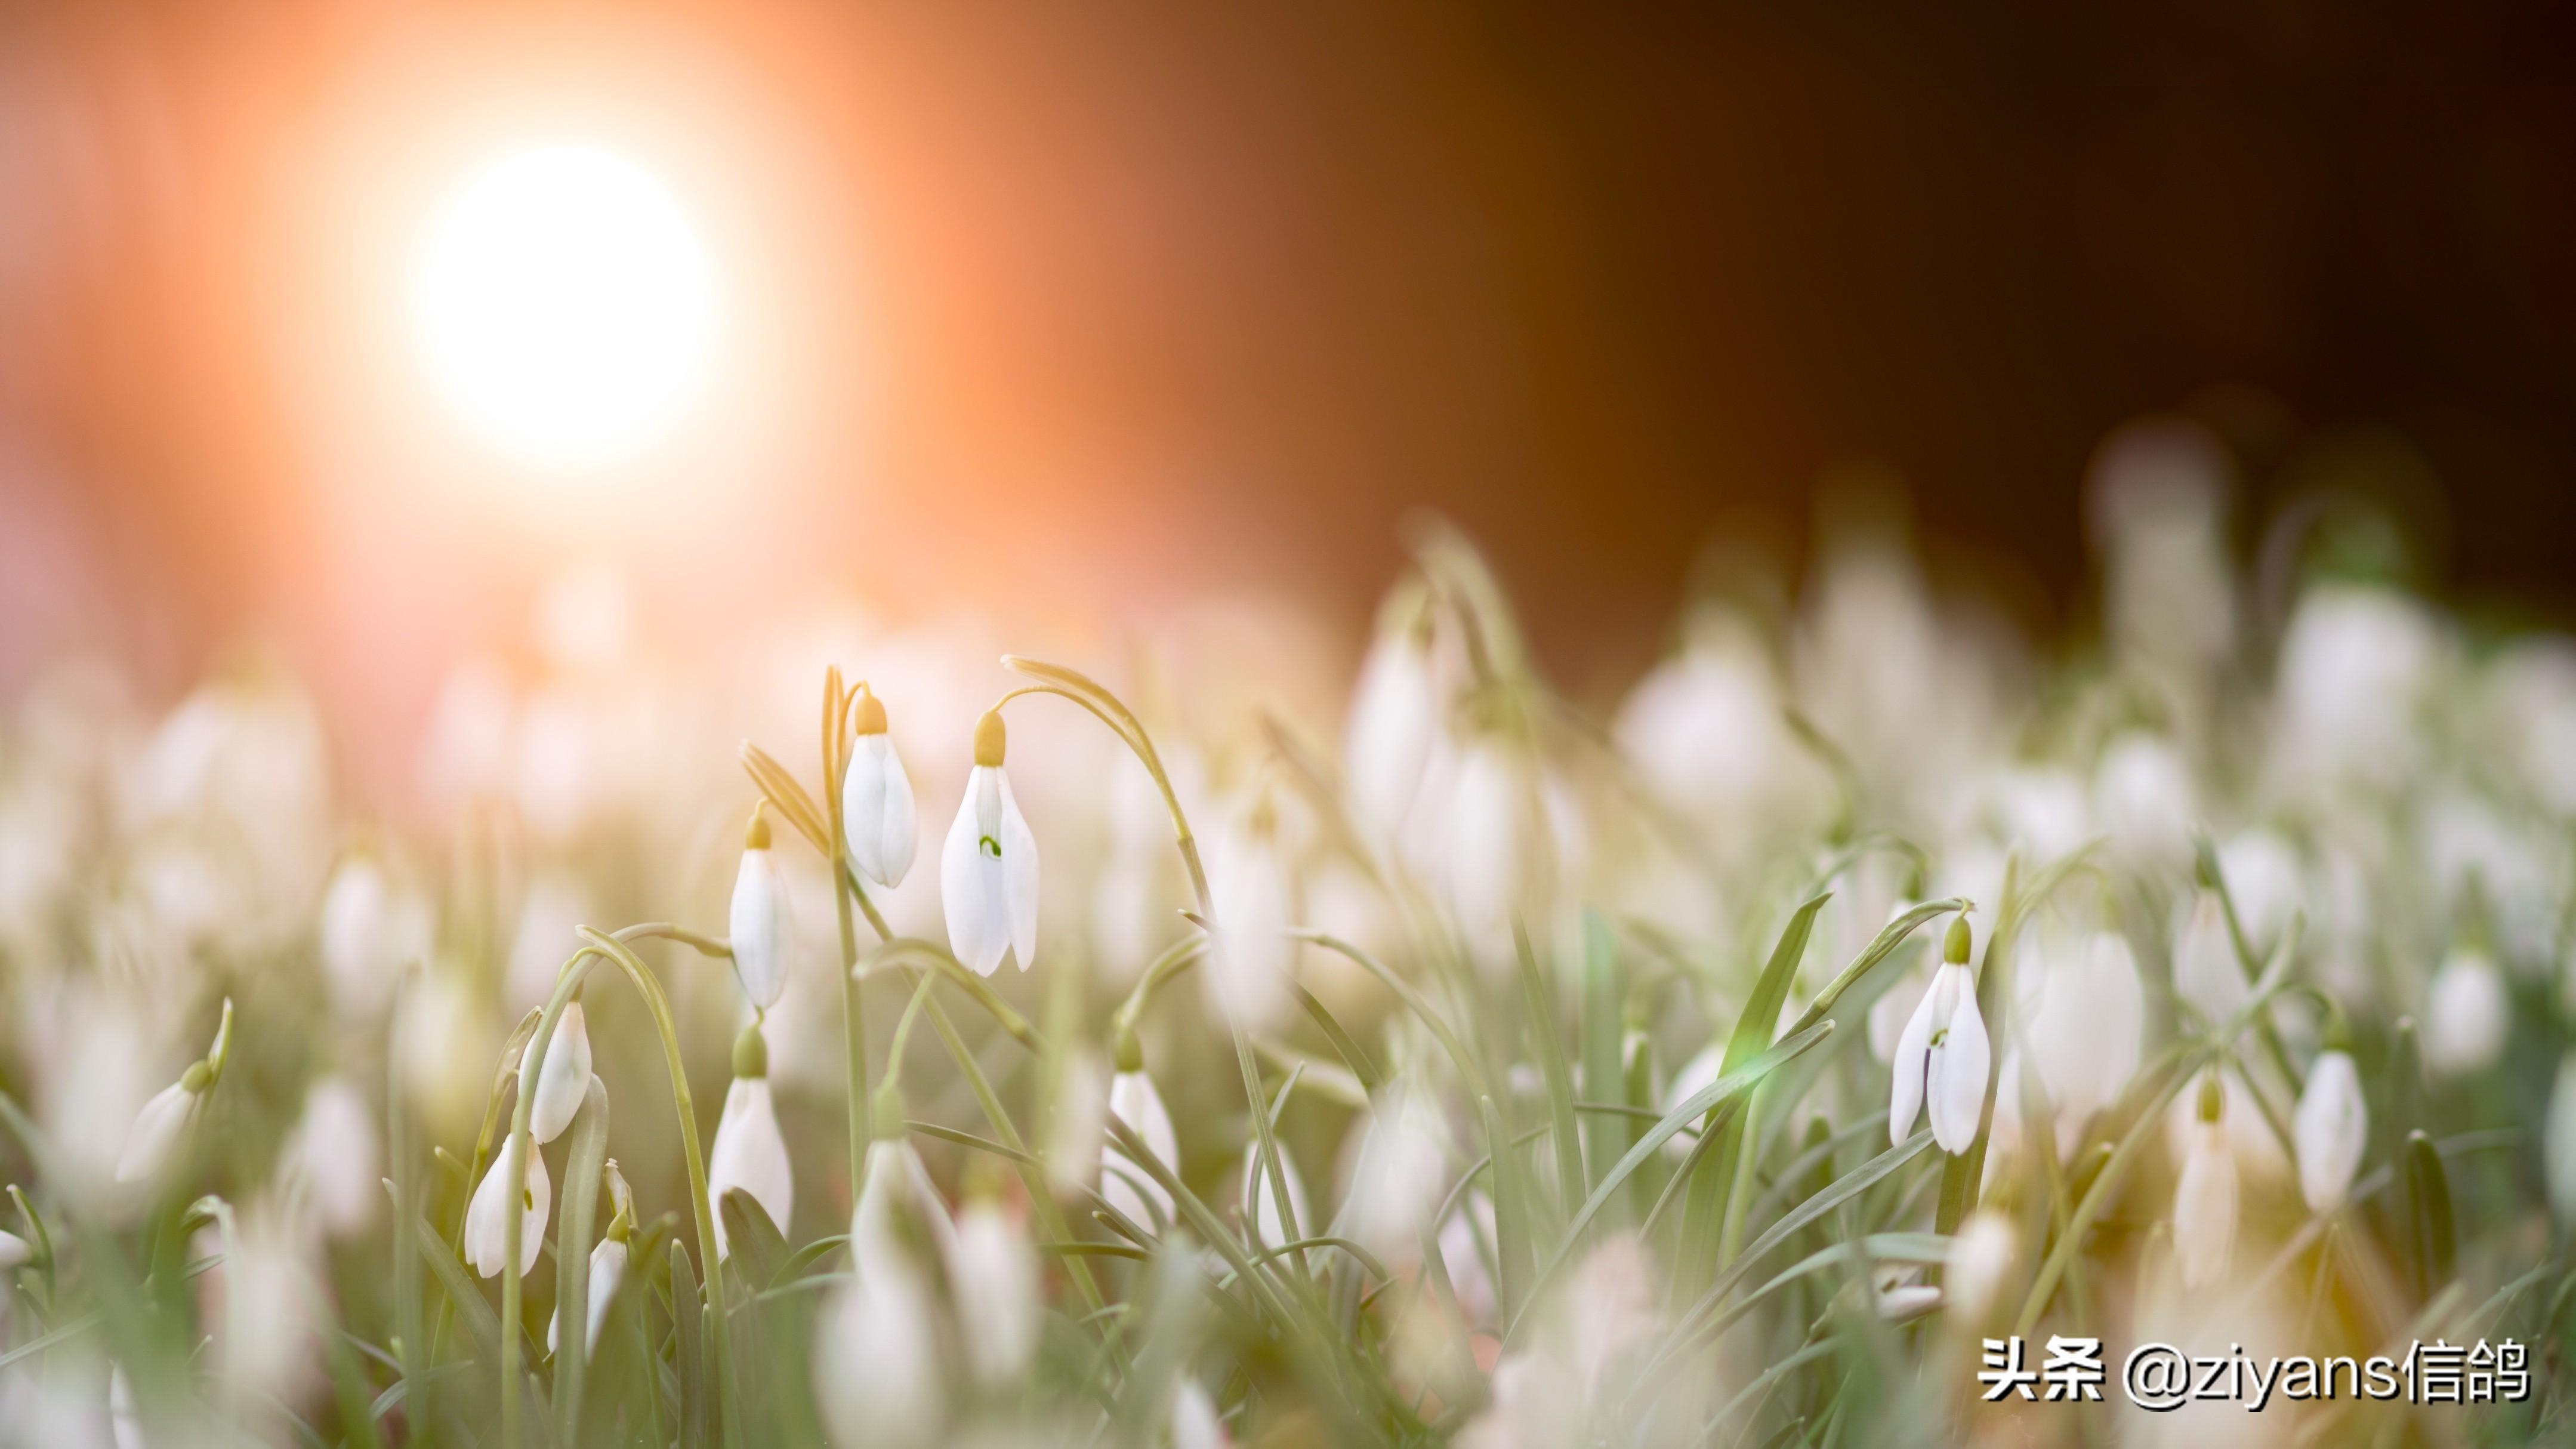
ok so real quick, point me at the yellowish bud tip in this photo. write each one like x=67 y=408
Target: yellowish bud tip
x=755 y=836
x=988 y=738
x=871 y=718
x=750 y=1052
x=1954 y=946
x=1128 y=1052
x=2213 y=1099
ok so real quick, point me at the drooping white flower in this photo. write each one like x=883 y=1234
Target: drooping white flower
x=876 y=1362
x=1247 y=974
x=1888 y=1015
x=367 y=932
x=1195 y=1424
x=2206 y=972
x=2466 y=1014
x=1395 y=716
x=988 y=870
x=2085 y=1035
x=332 y=1159
x=993 y=1281
x=876 y=800
x=2330 y=1128
x=2267 y=881
x=899 y=1212
x=2558 y=1142
x=1261 y=1205
x=487 y=1242
x=607 y=1272
x=1981 y=1254
x=1943 y=1057
x=159 y=1129
x=1900 y=1300
x=1486 y=847
x=1398 y=1172
x=2354 y=665
x=564 y=1078
x=750 y=1153
x=2204 y=1214
x=759 y=903
x=1129 y=1188
x=2143 y=796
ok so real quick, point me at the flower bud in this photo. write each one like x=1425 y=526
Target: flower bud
x=876 y=799
x=2204 y=1214
x=2330 y=1129
x=758 y=920
x=750 y=1152
x=988 y=869
x=563 y=1080
x=487 y=1242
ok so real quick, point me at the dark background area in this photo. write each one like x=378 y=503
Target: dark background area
x=1162 y=299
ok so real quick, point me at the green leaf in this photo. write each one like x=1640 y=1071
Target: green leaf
x=572 y=1257
x=689 y=1327
x=1691 y=1109
x=753 y=1243
x=1603 y=997
x=1539 y=1002
x=1343 y=1046
x=2432 y=1240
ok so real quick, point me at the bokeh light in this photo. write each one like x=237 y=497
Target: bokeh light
x=566 y=304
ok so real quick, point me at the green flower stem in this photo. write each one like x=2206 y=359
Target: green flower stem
x=854 y=1011
x=2098 y=1196
x=1109 y=710
x=1178 y=957
x=603 y=946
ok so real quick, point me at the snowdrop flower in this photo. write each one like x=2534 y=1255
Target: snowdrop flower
x=2266 y=880
x=759 y=957
x=988 y=871
x=14 y=1252
x=2085 y=1035
x=2206 y=972
x=1943 y=1057
x=2204 y=1214
x=2330 y=1128
x=1887 y=1017
x=1396 y=713
x=332 y=1158
x=1398 y=1174
x=1133 y=1101
x=2354 y=663
x=367 y=933
x=1900 y=1301
x=124 y=1425
x=162 y=1125
x=876 y=1361
x=749 y=1152
x=1250 y=962
x=487 y=1227
x=1980 y=1256
x=1262 y=1205
x=607 y=1269
x=2143 y=796
x=564 y=1079
x=2466 y=1014
x=899 y=1210
x=876 y=800
x=2558 y=1142
x=1195 y=1423
x=993 y=1280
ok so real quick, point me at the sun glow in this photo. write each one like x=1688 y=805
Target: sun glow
x=566 y=305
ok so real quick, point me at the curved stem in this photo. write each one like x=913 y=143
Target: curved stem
x=1111 y=711
x=659 y=1005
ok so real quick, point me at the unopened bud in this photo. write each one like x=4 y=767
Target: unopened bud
x=871 y=717
x=988 y=738
x=750 y=1052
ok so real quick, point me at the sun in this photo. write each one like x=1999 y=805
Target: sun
x=566 y=305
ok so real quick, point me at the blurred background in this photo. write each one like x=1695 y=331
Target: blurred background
x=1063 y=317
